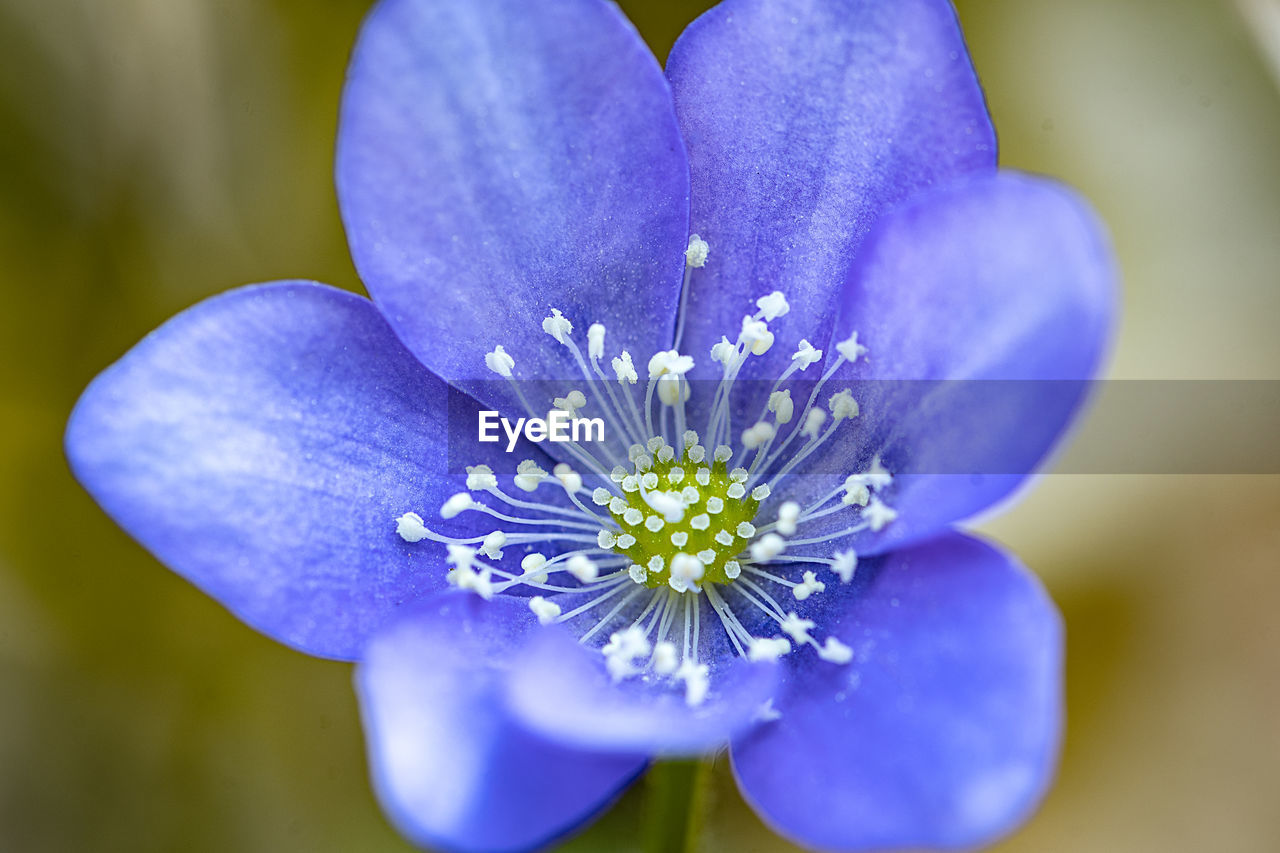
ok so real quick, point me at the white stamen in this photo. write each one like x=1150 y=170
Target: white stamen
x=781 y=405
x=757 y=435
x=756 y=335
x=669 y=362
x=761 y=492
x=665 y=658
x=622 y=649
x=788 y=515
x=582 y=568
x=797 y=628
x=529 y=475
x=595 y=341
x=851 y=349
x=638 y=573
x=456 y=504
x=767 y=649
x=411 y=528
x=570 y=402
x=767 y=547
x=732 y=568
x=499 y=362
x=679 y=538
x=835 y=651
x=491 y=547
x=808 y=586
x=806 y=355
x=844 y=564
x=746 y=530
x=843 y=405
x=773 y=306
x=878 y=514
x=686 y=570
x=557 y=326
x=696 y=255
x=696 y=680
x=813 y=423
x=606 y=539
x=700 y=521
x=715 y=505
x=624 y=369
x=545 y=610
x=569 y=478
x=724 y=352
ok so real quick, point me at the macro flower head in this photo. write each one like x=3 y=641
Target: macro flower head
x=773 y=271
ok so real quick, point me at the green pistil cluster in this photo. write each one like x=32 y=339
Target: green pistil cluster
x=716 y=523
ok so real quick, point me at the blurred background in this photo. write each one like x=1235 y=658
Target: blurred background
x=155 y=152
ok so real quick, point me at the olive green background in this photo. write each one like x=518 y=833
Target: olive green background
x=154 y=152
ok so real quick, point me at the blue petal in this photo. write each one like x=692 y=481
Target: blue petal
x=561 y=689
x=500 y=158
x=943 y=731
x=999 y=294
x=451 y=768
x=262 y=445
x=804 y=121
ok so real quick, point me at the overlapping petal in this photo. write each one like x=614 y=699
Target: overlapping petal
x=450 y=766
x=262 y=444
x=805 y=120
x=986 y=307
x=941 y=733
x=500 y=158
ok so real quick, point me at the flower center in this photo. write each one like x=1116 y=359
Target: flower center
x=675 y=521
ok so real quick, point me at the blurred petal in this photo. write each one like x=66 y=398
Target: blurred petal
x=997 y=294
x=451 y=768
x=562 y=689
x=262 y=445
x=500 y=158
x=942 y=732
x=805 y=120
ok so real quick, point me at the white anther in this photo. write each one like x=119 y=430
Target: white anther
x=724 y=352
x=739 y=475
x=761 y=492
x=807 y=586
x=767 y=649
x=756 y=335
x=630 y=483
x=723 y=453
x=855 y=492
x=707 y=556
x=767 y=547
x=844 y=563
x=529 y=475
x=703 y=476
x=665 y=659
x=649 y=480
x=669 y=504
x=788 y=515
x=797 y=628
x=570 y=402
x=460 y=556
x=877 y=476
x=569 y=478
x=617 y=474
x=689 y=438
x=700 y=521
x=680 y=538
x=835 y=651
x=477 y=582
x=697 y=682
x=806 y=355
x=411 y=528
x=638 y=573
x=656 y=564
x=606 y=539
x=782 y=407
x=624 y=369
x=557 y=326
x=766 y=713
x=773 y=306
x=878 y=514
x=843 y=405
x=480 y=477
x=491 y=547
x=633 y=516
x=654 y=523
x=735 y=491
x=813 y=423
x=851 y=349
x=754 y=436
x=732 y=569
x=715 y=505
x=617 y=505
x=695 y=453
x=626 y=540
x=671 y=388
x=595 y=341
x=696 y=255
x=676 y=474
x=689 y=495
x=745 y=530
x=643 y=462
x=582 y=567
x=456 y=504
x=531 y=563
x=669 y=362
x=653 y=445
x=725 y=538
x=666 y=453
x=686 y=570
x=600 y=496
x=499 y=362
x=545 y=610
x=622 y=649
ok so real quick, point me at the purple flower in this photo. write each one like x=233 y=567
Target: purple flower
x=728 y=258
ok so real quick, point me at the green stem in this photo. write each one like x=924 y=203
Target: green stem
x=675 y=802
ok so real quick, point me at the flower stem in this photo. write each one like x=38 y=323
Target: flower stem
x=676 y=800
